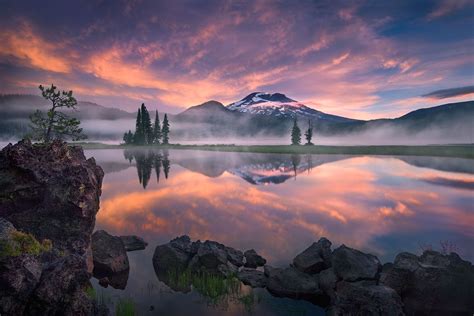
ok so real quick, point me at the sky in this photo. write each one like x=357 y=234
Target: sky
x=359 y=59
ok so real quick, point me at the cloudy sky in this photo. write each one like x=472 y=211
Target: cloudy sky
x=362 y=59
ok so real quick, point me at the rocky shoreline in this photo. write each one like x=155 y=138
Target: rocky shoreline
x=49 y=197
x=344 y=281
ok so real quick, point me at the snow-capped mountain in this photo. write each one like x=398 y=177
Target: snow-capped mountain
x=279 y=105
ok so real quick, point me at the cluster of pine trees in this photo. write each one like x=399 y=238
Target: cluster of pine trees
x=147 y=133
x=296 y=134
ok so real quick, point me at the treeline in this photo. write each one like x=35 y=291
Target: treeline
x=147 y=133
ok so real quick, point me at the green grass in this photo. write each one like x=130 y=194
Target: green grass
x=23 y=243
x=125 y=307
x=460 y=151
x=214 y=288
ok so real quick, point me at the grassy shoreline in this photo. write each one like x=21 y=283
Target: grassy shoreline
x=459 y=151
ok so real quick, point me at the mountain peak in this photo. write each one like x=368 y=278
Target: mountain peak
x=278 y=105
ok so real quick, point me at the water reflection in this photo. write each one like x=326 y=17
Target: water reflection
x=280 y=204
x=146 y=160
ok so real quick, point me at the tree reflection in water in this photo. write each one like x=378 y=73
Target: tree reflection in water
x=146 y=160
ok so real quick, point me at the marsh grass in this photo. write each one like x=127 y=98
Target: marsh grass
x=215 y=289
x=23 y=243
x=125 y=307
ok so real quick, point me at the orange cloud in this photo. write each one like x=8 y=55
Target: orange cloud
x=32 y=50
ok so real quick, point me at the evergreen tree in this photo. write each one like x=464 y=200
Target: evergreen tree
x=146 y=126
x=295 y=134
x=309 y=134
x=165 y=130
x=55 y=124
x=156 y=130
x=128 y=137
x=138 y=138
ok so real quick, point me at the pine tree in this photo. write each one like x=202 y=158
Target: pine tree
x=146 y=126
x=309 y=134
x=156 y=130
x=165 y=130
x=295 y=134
x=138 y=138
x=128 y=137
x=55 y=124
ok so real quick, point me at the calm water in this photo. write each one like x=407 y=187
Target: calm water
x=278 y=205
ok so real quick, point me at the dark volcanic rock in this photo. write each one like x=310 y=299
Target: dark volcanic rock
x=133 y=243
x=209 y=257
x=291 y=282
x=52 y=192
x=352 y=265
x=236 y=257
x=252 y=277
x=315 y=258
x=171 y=259
x=327 y=283
x=109 y=254
x=432 y=284
x=253 y=259
x=358 y=298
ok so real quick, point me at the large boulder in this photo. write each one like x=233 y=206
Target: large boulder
x=252 y=277
x=315 y=258
x=133 y=243
x=210 y=257
x=51 y=191
x=362 y=298
x=353 y=265
x=432 y=284
x=49 y=194
x=292 y=283
x=253 y=259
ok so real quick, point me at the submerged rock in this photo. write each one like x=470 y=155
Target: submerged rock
x=432 y=284
x=353 y=265
x=50 y=195
x=315 y=258
x=253 y=259
x=133 y=243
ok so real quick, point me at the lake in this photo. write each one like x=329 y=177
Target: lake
x=277 y=204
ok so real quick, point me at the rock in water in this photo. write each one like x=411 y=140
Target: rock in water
x=432 y=284
x=315 y=258
x=353 y=265
x=291 y=282
x=110 y=259
x=51 y=192
x=357 y=298
x=253 y=259
x=252 y=277
x=133 y=243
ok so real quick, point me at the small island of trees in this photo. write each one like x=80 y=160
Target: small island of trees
x=147 y=133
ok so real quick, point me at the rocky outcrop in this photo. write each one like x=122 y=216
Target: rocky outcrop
x=133 y=243
x=315 y=258
x=50 y=195
x=110 y=259
x=253 y=259
x=432 y=284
